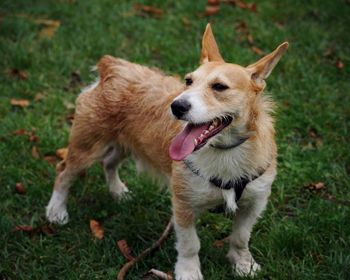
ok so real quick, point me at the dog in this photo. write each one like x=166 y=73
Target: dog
x=211 y=138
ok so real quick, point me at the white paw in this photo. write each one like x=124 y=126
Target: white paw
x=56 y=211
x=57 y=214
x=246 y=268
x=120 y=192
x=188 y=270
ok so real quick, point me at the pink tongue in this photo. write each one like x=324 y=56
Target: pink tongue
x=183 y=144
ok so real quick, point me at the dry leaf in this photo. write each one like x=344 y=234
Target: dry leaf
x=243 y=5
x=39 y=97
x=50 y=28
x=24 y=228
x=340 y=64
x=159 y=274
x=250 y=39
x=315 y=186
x=96 y=229
x=149 y=10
x=35 y=152
x=62 y=153
x=124 y=248
x=257 y=50
x=20 y=74
x=21 y=131
x=20 y=102
x=52 y=160
x=47 y=230
x=211 y=10
x=213 y=2
x=220 y=243
x=20 y=189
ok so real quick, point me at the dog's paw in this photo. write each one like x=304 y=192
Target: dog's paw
x=188 y=270
x=120 y=192
x=57 y=214
x=246 y=268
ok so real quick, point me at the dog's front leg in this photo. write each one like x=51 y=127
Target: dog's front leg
x=187 y=245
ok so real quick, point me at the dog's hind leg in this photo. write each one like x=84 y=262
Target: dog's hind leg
x=80 y=156
x=111 y=163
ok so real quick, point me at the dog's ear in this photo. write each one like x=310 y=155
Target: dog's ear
x=210 y=50
x=261 y=69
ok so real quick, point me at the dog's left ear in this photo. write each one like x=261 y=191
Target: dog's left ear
x=261 y=69
x=210 y=50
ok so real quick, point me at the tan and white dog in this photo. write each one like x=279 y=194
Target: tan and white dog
x=219 y=149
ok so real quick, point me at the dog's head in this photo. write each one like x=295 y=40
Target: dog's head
x=216 y=95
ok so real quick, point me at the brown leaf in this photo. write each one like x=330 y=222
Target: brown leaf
x=340 y=64
x=257 y=50
x=96 y=229
x=47 y=230
x=24 y=228
x=213 y=2
x=220 y=243
x=211 y=10
x=125 y=250
x=35 y=152
x=250 y=39
x=21 y=131
x=20 y=74
x=38 y=97
x=20 y=189
x=20 y=102
x=52 y=160
x=315 y=186
x=243 y=5
x=62 y=153
x=149 y=10
x=50 y=28
x=159 y=274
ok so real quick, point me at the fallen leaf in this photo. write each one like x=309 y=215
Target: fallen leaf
x=213 y=2
x=157 y=273
x=50 y=28
x=96 y=229
x=21 y=131
x=243 y=5
x=35 y=152
x=24 y=228
x=220 y=243
x=211 y=10
x=20 y=189
x=39 y=97
x=257 y=50
x=47 y=230
x=125 y=250
x=20 y=74
x=62 y=153
x=340 y=64
x=52 y=160
x=250 y=39
x=315 y=186
x=20 y=102
x=149 y=10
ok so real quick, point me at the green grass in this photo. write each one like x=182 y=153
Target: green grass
x=300 y=236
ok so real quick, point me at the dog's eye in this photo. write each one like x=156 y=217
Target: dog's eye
x=219 y=87
x=188 y=81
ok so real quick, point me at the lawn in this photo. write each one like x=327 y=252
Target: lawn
x=305 y=231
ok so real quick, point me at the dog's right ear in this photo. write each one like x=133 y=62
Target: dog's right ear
x=210 y=50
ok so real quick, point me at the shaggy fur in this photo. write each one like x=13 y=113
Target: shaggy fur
x=127 y=112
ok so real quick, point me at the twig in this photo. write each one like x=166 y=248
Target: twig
x=122 y=272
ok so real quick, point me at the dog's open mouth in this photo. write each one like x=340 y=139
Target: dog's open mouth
x=195 y=136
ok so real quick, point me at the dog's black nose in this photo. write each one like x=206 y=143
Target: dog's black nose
x=180 y=107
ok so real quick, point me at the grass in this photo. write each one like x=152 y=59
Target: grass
x=302 y=235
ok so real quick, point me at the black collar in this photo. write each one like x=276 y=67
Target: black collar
x=230 y=146
x=237 y=184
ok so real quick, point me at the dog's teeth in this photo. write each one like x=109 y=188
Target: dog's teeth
x=215 y=122
x=206 y=132
x=211 y=127
x=195 y=141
